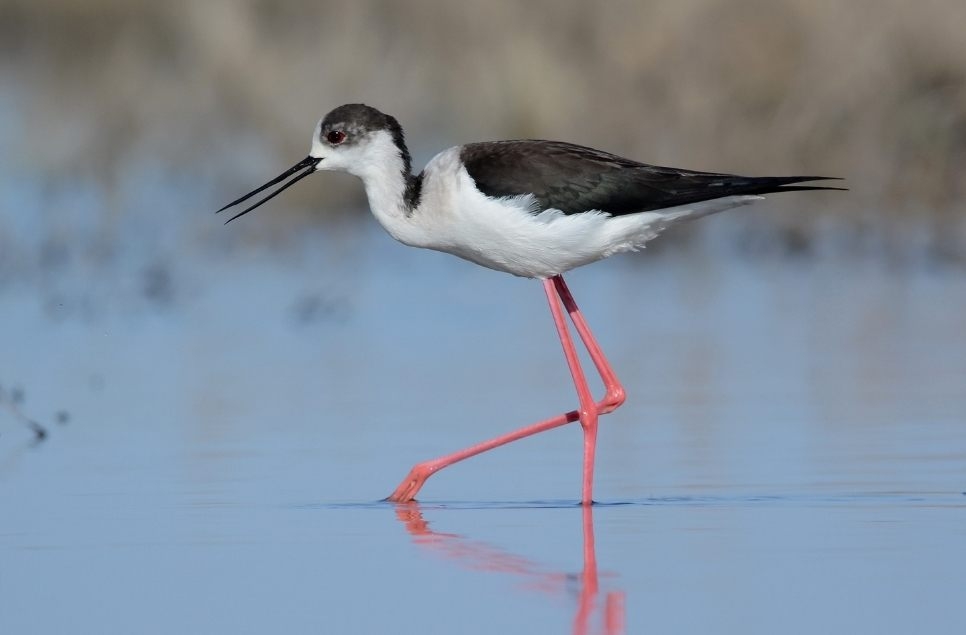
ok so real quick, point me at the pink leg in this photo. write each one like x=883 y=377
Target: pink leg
x=588 y=409
x=614 y=394
x=587 y=414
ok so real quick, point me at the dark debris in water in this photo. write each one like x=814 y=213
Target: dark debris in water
x=157 y=284
x=314 y=307
x=11 y=401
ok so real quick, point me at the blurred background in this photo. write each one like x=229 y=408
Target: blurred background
x=122 y=119
x=796 y=369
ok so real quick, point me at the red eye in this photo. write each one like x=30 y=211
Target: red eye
x=335 y=137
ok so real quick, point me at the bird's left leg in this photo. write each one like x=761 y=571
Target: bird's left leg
x=417 y=476
x=613 y=391
x=588 y=412
x=587 y=409
x=614 y=394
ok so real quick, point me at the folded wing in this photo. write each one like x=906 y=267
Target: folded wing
x=575 y=179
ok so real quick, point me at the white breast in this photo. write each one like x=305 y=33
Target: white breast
x=513 y=235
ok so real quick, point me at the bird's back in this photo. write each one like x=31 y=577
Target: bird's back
x=519 y=232
x=575 y=179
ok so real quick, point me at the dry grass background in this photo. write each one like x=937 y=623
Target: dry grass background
x=228 y=90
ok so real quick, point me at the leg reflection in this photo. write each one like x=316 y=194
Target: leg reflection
x=608 y=614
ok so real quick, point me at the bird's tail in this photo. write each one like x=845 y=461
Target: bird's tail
x=758 y=185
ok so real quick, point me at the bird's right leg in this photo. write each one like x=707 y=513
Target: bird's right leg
x=417 y=476
x=614 y=394
x=613 y=397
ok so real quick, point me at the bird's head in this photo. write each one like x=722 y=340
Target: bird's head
x=353 y=138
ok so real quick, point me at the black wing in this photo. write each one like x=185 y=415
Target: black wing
x=577 y=179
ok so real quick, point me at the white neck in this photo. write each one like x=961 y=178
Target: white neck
x=384 y=174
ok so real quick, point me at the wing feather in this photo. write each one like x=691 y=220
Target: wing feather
x=576 y=179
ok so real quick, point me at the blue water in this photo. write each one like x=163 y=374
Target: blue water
x=791 y=457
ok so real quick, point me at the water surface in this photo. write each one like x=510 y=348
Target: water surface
x=791 y=458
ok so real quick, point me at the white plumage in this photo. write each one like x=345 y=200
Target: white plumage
x=510 y=234
x=530 y=208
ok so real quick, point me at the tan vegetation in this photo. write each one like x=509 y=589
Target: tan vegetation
x=872 y=90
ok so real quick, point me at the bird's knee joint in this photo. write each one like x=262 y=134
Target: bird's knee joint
x=614 y=398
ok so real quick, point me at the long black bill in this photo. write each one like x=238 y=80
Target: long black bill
x=308 y=164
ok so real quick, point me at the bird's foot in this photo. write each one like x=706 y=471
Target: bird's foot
x=411 y=485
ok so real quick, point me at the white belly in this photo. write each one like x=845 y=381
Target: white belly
x=507 y=235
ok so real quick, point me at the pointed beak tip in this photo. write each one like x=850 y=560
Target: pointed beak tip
x=307 y=167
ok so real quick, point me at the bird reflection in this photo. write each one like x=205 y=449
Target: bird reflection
x=593 y=615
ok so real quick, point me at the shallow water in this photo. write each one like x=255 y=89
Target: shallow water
x=791 y=458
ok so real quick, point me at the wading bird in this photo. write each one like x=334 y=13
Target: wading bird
x=530 y=208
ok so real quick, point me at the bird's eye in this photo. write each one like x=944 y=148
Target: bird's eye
x=335 y=137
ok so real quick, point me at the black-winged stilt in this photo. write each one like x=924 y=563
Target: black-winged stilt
x=531 y=208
